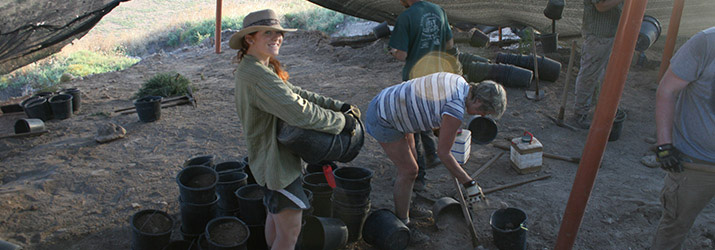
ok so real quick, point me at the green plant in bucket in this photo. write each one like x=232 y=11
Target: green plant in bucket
x=165 y=84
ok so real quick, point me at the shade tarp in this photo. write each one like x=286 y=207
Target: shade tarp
x=34 y=29
x=697 y=15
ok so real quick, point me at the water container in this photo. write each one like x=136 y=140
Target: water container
x=462 y=146
x=526 y=154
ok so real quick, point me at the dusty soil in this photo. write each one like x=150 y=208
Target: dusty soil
x=63 y=190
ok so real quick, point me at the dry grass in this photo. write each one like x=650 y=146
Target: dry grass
x=133 y=23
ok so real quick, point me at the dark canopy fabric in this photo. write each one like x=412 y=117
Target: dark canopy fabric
x=34 y=29
x=697 y=15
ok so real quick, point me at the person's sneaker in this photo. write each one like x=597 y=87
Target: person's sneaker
x=432 y=161
x=582 y=121
x=419 y=185
x=417 y=212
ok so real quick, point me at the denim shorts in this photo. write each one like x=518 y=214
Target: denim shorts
x=378 y=128
x=291 y=197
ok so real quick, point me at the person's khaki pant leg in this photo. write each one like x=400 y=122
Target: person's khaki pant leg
x=683 y=196
x=595 y=53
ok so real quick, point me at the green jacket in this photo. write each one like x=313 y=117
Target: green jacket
x=262 y=98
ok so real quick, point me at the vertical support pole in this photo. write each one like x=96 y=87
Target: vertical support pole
x=672 y=36
x=499 y=36
x=618 y=65
x=218 y=26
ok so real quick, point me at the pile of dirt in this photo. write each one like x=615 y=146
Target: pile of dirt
x=63 y=190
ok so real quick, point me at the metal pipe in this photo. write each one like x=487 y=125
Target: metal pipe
x=673 y=27
x=218 y=26
x=618 y=65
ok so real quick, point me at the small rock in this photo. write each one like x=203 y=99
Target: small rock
x=66 y=77
x=649 y=140
x=136 y=205
x=650 y=161
x=108 y=132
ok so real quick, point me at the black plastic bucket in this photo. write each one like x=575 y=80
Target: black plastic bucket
x=324 y=233
x=257 y=238
x=76 y=97
x=510 y=75
x=201 y=160
x=353 y=215
x=649 y=33
x=318 y=168
x=550 y=43
x=247 y=169
x=37 y=107
x=483 y=129
x=308 y=194
x=228 y=212
x=29 y=125
x=351 y=196
x=466 y=58
x=228 y=183
x=197 y=184
x=617 y=125
x=193 y=237
x=229 y=166
x=509 y=228
x=250 y=202
x=314 y=146
x=61 y=106
x=321 y=204
x=151 y=229
x=554 y=9
x=385 y=231
x=353 y=178
x=227 y=233
x=195 y=216
x=478 y=38
x=477 y=71
x=148 y=108
x=381 y=30
x=549 y=69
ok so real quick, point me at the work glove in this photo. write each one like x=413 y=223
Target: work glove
x=669 y=158
x=350 y=124
x=474 y=193
x=351 y=109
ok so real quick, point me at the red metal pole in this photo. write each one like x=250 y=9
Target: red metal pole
x=618 y=65
x=673 y=27
x=218 y=26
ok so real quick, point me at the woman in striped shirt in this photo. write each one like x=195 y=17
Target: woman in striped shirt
x=436 y=101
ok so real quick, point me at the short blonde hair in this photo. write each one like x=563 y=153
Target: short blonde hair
x=492 y=96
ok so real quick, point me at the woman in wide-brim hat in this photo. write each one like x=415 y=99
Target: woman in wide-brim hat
x=263 y=96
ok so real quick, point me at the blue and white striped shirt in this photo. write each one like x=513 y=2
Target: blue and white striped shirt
x=418 y=104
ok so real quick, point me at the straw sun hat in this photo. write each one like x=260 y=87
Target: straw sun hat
x=255 y=21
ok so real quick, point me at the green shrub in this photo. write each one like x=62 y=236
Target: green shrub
x=165 y=84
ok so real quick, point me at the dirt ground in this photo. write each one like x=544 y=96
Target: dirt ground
x=63 y=190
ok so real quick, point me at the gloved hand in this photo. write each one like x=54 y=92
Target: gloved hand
x=352 y=109
x=669 y=158
x=350 y=124
x=474 y=192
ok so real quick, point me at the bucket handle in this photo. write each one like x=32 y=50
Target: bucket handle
x=531 y=139
x=329 y=175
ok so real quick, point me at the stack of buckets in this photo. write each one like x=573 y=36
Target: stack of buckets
x=209 y=192
x=351 y=198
